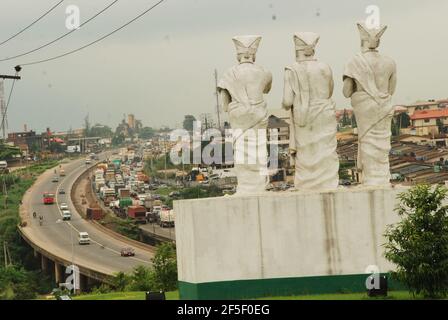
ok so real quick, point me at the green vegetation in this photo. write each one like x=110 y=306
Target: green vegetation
x=418 y=245
x=8 y=152
x=138 y=295
x=343 y=170
x=126 y=227
x=146 y=133
x=153 y=165
x=99 y=130
x=21 y=279
x=188 y=122
x=393 y=295
x=174 y=295
x=197 y=192
x=161 y=276
x=118 y=139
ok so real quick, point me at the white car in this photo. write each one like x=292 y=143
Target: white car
x=83 y=238
x=63 y=206
x=66 y=215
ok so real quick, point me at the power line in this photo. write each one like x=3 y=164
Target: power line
x=32 y=23
x=96 y=41
x=62 y=36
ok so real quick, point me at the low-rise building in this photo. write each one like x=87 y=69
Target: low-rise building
x=429 y=122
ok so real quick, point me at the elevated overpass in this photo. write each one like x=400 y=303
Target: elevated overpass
x=56 y=241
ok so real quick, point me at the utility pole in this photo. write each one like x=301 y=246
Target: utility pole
x=217 y=99
x=7 y=254
x=3 y=106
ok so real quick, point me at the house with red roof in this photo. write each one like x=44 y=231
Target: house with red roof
x=430 y=122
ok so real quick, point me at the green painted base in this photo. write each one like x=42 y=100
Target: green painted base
x=249 y=289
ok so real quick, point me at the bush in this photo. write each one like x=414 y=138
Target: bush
x=165 y=267
x=17 y=283
x=418 y=245
x=127 y=228
x=103 y=288
x=120 y=281
x=161 y=276
x=142 y=279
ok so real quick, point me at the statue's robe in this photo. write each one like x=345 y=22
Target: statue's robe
x=247 y=117
x=313 y=135
x=374 y=111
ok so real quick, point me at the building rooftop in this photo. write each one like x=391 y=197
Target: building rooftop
x=427 y=103
x=429 y=114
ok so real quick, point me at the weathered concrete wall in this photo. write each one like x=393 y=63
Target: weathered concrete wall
x=281 y=235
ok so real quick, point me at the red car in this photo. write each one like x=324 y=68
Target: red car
x=127 y=252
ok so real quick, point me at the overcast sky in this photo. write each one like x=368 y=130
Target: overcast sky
x=161 y=67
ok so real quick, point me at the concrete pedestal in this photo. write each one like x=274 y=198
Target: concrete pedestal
x=282 y=243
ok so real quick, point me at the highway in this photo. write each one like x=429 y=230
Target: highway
x=60 y=238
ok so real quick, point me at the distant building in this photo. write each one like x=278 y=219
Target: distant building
x=282 y=128
x=131 y=121
x=429 y=121
x=426 y=105
x=27 y=141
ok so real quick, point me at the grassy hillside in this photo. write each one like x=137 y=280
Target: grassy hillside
x=395 y=295
x=123 y=296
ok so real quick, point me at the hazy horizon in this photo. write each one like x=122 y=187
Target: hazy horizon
x=162 y=67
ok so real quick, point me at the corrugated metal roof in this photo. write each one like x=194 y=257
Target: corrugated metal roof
x=429 y=114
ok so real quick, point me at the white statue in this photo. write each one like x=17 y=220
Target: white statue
x=307 y=94
x=241 y=91
x=370 y=80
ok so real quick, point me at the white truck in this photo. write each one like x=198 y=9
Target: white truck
x=167 y=218
x=83 y=238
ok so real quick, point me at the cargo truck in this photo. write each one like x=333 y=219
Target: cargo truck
x=94 y=213
x=138 y=213
x=124 y=193
x=167 y=218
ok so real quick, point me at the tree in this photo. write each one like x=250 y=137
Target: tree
x=395 y=128
x=8 y=152
x=142 y=279
x=56 y=147
x=118 y=139
x=165 y=267
x=120 y=281
x=353 y=121
x=17 y=283
x=418 y=245
x=403 y=120
x=99 y=130
x=440 y=126
x=146 y=133
x=188 y=122
x=345 y=121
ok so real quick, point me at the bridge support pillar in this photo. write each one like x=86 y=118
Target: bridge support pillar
x=58 y=273
x=43 y=263
x=83 y=281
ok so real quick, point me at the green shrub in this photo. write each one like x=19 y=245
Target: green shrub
x=418 y=245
